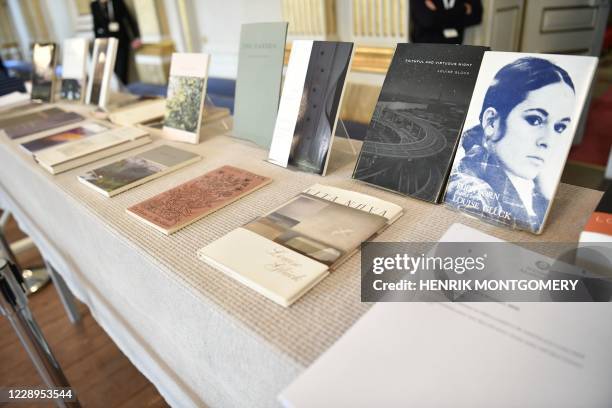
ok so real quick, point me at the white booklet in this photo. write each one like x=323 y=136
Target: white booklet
x=74 y=67
x=465 y=355
x=185 y=99
x=288 y=251
x=101 y=71
x=310 y=104
x=67 y=156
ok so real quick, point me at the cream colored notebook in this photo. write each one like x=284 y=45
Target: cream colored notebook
x=73 y=154
x=288 y=251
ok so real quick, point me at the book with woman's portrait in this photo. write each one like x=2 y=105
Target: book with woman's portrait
x=518 y=131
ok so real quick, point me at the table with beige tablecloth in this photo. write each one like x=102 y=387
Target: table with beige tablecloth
x=199 y=336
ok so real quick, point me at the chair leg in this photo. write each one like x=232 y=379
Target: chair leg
x=14 y=305
x=65 y=294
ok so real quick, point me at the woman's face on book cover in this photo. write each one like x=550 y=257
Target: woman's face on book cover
x=533 y=129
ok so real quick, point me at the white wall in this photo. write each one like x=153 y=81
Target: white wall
x=218 y=23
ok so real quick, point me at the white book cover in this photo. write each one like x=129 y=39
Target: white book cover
x=310 y=104
x=101 y=71
x=185 y=98
x=291 y=98
x=465 y=355
x=293 y=247
x=519 y=128
x=83 y=147
x=74 y=67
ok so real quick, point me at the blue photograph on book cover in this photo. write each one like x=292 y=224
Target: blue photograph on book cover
x=516 y=138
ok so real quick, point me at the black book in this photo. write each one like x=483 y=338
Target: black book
x=412 y=137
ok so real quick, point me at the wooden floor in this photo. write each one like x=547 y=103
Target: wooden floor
x=96 y=369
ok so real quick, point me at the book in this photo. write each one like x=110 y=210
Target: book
x=70 y=155
x=517 y=134
x=185 y=204
x=594 y=250
x=258 y=83
x=43 y=71
x=74 y=67
x=69 y=134
x=310 y=104
x=412 y=137
x=139 y=112
x=599 y=226
x=471 y=348
x=101 y=71
x=38 y=121
x=133 y=171
x=288 y=251
x=185 y=99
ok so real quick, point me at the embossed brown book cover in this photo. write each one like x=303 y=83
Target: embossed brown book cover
x=190 y=201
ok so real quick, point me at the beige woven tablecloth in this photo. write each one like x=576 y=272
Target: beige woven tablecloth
x=199 y=336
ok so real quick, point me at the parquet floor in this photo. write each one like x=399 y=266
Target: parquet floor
x=97 y=370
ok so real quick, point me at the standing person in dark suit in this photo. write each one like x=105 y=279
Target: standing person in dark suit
x=443 y=21
x=113 y=19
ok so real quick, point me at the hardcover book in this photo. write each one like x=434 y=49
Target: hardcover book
x=258 y=83
x=594 y=251
x=195 y=199
x=292 y=248
x=412 y=136
x=310 y=104
x=185 y=99
x=43 y=71
x=37 y=121
x=517 y=135
x=101 y=71
x=599 y=226
x=70 y=155
x=139 y=112
x=74 y=67
x=133 y=171
x=70 y=134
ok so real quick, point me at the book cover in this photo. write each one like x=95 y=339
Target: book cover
x=69 y=135
x=258 y=83
x=43 y=71
x=74 y=65
x=517 y=135
x=67 y=156
x=136 y=170
x=599 y=226
x=294 y=246
x=310 y=104
x=190 y=201
x=38 y=121
x=185 y=99
x=412 y=137
x=101 y=71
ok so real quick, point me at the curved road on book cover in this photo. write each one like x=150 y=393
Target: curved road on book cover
x=416 y=124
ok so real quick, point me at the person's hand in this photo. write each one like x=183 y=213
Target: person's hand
x=136 y=43
x=430 y=5
x=468 y=9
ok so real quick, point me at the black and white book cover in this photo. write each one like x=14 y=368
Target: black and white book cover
x=518 y=131
x=412 y=137
x=74 y=65
x=43 y=71
x=310 y=103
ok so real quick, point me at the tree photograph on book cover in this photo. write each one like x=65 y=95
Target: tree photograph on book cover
x=184 y=102
x=517 y=135
x=121 y=173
